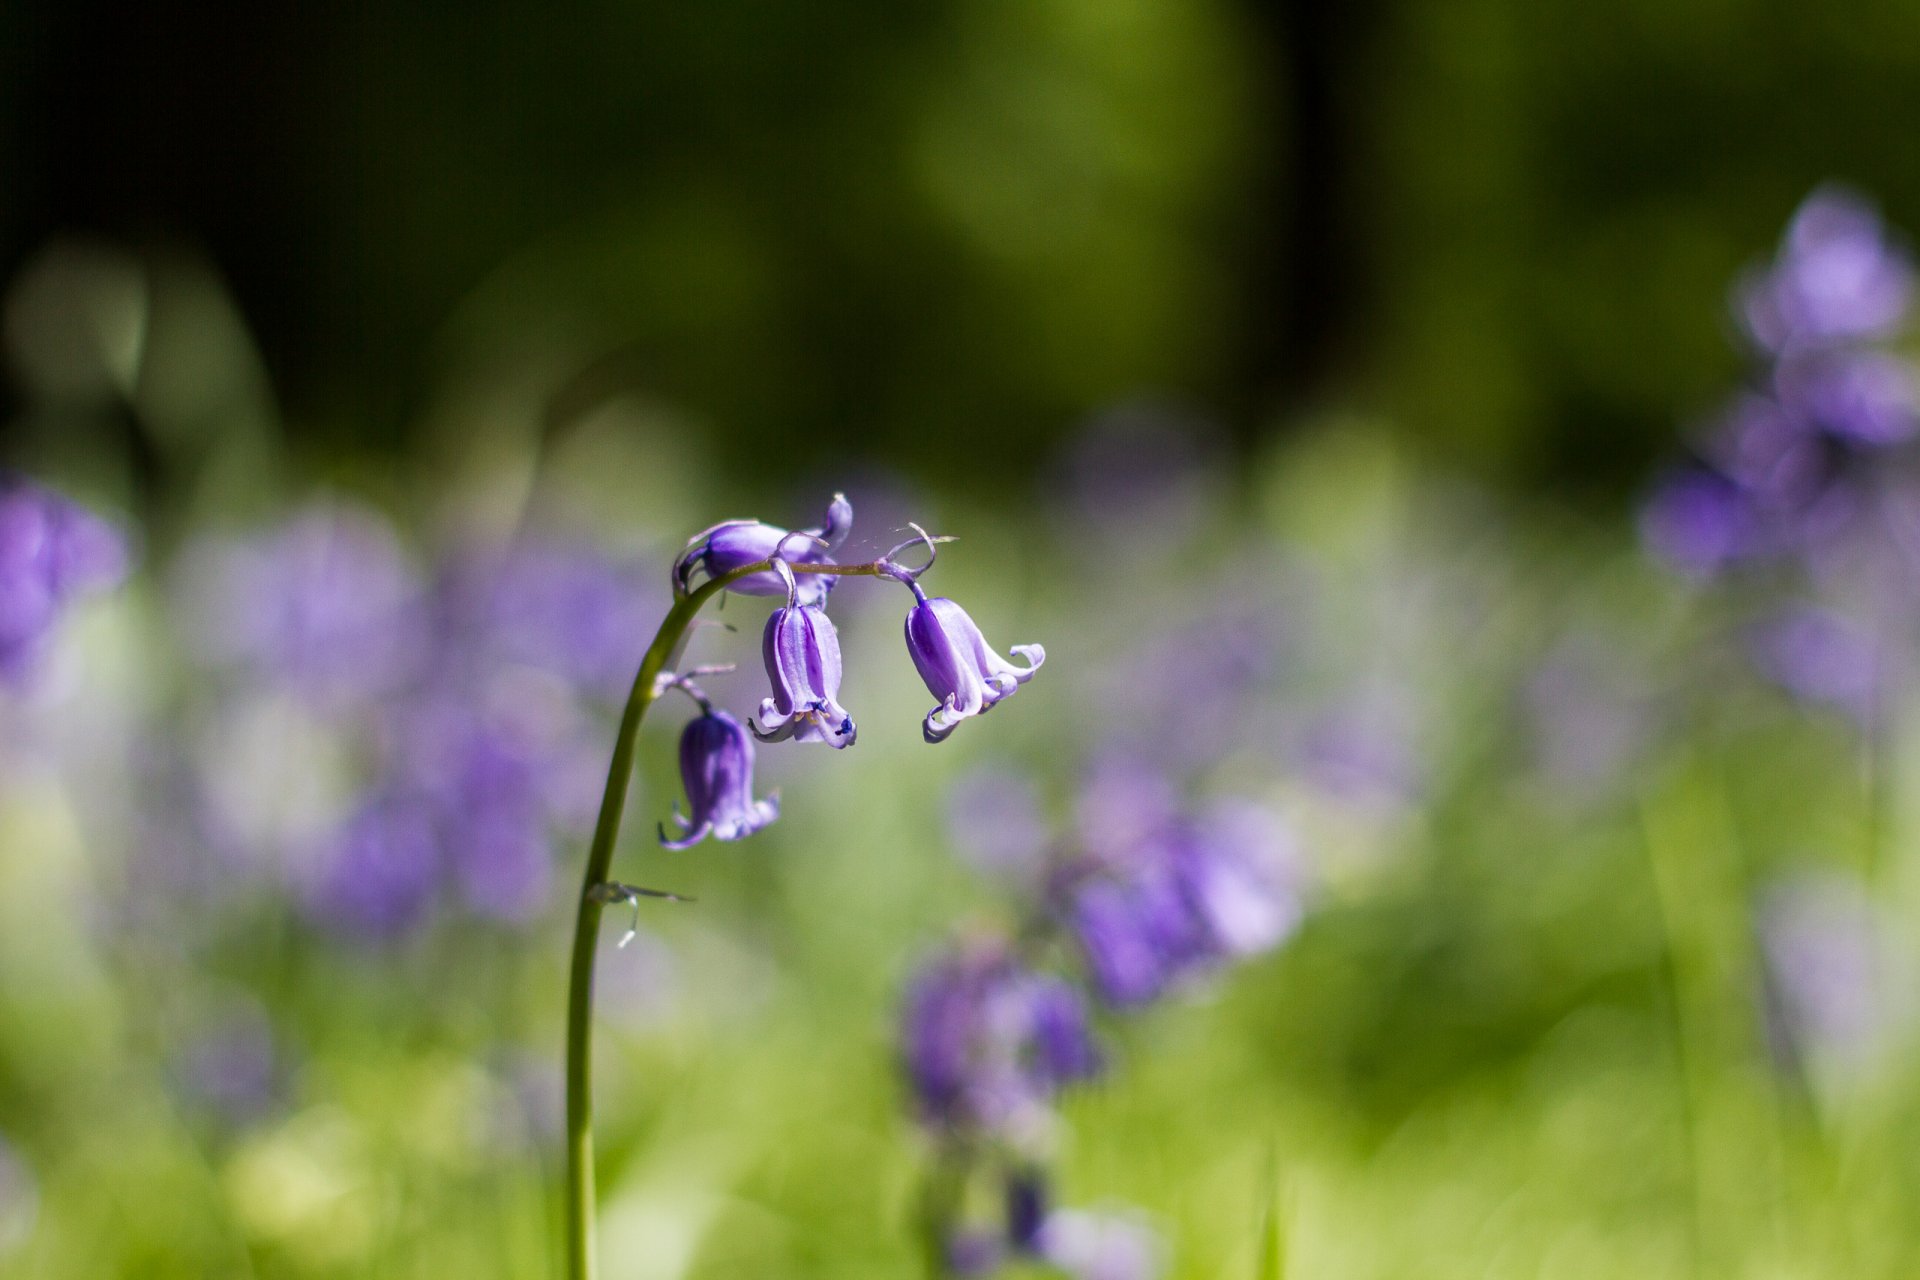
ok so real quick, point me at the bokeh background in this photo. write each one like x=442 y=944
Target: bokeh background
x=1295 y=372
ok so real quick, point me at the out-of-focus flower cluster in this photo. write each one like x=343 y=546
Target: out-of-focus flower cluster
x=390 y=735
x=1804 y=507
x=1810 y=468
x=1145 y=899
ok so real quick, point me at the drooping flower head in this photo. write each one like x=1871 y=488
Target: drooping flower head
x=716 y=767
x=735 y=544
x=960 y=670
x=802 y=653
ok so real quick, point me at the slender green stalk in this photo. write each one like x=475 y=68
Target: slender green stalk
x=581 y=1263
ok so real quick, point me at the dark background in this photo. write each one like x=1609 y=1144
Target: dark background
x=944 y=233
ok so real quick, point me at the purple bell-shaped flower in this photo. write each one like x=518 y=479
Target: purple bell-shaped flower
x=716 y=767
x=959 y=668
x=735 y=544
x=802 y=652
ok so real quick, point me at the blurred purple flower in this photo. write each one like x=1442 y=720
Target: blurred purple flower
x=1838 y=277
x=375 y=877
x=987 y=1042
x=716 y=767
x=1867 y=398
x=51 y=551
x=965 y=676
x=1777 y=457
x=1698 y=522
x=556 y=607
x=1181 y=901
x=1105 y=1246
x=326 y=604
x=735 y=544
x=1822 y=657
x=1249 y=884
x=502 y=861
x=802 y=654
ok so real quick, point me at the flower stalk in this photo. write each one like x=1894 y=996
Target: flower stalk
x=596 y=890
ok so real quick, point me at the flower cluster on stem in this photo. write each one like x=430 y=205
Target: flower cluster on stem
x=801 y=651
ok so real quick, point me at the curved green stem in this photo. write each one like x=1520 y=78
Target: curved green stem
x=586 y=927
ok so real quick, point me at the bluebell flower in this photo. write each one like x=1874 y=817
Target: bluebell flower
x=1821 y=657
x=966 y=676
x=1778 y=459
x=802 y=653
x=554 y=606
x=375 y=876
x=1838 y=277
x=327 y=604
x=1699 y=522
x=988 y=1043
x=734 y=544
x=1866 y=398
x=51 y=551
x=1180 y=901
x=716 y=767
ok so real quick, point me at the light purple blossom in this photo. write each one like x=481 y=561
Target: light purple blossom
x=735 y=544
x=716 y=767
x=1778 y=459
x=801 y=649
x=374 y=877
x=1867 y=398
x=1822 y=657
x=961 y=672
x=1839 y=277
x=52 y=551
x=1181 y=901
x=988 y=1042
x=1101 y=1246
x=1698 y=522
x=551 y=606
x=327 y=604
